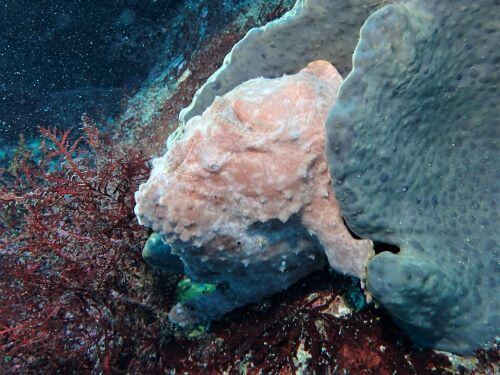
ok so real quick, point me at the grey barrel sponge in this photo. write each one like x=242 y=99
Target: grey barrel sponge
x=414 y=155
x=312 y=30
x=415 y=160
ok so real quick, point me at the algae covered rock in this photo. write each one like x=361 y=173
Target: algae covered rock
x=413 y=150
x=245 y=196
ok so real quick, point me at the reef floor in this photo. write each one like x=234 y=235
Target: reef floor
x=314 y=328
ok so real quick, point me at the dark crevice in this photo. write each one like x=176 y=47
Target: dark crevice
x=378 y=246
x=354 y=235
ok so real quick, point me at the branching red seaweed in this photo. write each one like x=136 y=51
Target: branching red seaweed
x=74 y=289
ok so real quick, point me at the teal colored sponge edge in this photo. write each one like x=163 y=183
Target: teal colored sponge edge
x=413 y=150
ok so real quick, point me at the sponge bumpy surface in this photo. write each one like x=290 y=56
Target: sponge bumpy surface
x=245 y=197
x=412 y=145
x=312 y=30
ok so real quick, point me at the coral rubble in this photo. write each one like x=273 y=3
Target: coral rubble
x=273 y=336
x=245 y=198
x=413 y=150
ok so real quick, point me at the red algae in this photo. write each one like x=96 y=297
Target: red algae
x=75 y=292
x=269 y=337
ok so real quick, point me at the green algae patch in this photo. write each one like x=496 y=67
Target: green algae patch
x=187 y=290
x=355 y=296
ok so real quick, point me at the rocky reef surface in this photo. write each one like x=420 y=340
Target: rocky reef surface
x=321 y=324
x=318 y=326
x=61 y=58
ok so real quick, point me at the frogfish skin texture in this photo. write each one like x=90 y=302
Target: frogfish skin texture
x=245 y=196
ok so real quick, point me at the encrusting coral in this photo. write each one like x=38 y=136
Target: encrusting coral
x=77 y=297
x=413 y=150
x=245 y=197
